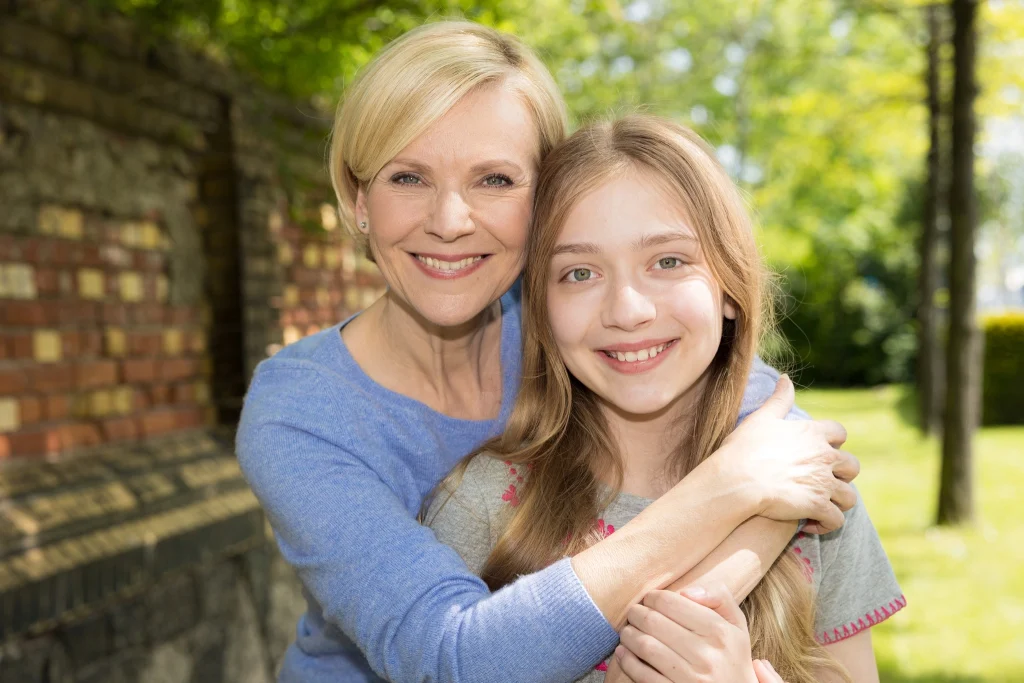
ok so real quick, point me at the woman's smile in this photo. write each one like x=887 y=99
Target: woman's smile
x=449 y=267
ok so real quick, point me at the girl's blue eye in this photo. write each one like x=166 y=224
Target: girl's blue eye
x=669 y=262
x=405 y=179
x=579 y=274
x=497 y=180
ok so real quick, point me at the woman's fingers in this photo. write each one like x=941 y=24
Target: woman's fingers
x=638 y=671
x=781 y=401
x=826 y=521
x=834 y=432
x=846 y=467
x=844 y=496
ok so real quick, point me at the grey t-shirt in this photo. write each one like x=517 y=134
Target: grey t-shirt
x=854 y=582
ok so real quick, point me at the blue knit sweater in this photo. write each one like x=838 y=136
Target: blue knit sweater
x=341 y=466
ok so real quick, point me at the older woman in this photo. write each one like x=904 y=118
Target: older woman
x=434 y=156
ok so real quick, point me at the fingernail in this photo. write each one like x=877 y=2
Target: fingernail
x=618 y=651
x=695 y=592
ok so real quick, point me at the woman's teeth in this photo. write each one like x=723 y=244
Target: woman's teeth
x=636 y=356
x=448 y=265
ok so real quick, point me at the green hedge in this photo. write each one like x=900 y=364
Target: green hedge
x=1003 y=375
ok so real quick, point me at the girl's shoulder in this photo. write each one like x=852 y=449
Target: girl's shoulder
x=492 y=481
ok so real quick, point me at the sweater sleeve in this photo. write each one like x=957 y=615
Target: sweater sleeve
x=408 y=601
x=760 y=385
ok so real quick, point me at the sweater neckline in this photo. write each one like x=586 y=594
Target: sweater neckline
x=349 y=365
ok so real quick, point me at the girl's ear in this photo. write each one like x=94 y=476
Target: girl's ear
x=362 y=218
x=728 y=307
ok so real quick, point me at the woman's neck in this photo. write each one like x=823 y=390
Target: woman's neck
x=454 y=370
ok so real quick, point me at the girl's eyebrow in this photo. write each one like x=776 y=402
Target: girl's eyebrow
x=644 y=242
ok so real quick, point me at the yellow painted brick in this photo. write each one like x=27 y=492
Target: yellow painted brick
x=149 y=235
x=291 y=295
x=198 y=342
x=291 y=334
x=60 y=222
x=328 y=217
x=131 y=286
x=332 y=257
x=114 y=341
x=285 y=256
x=131 y=234
x=311 y=256
x=352 y=299
x=323 y=297
x=10 y=415
x=202 y=393
x=46 y=346
x=124 y=400
x=91 y=283
x=172 y=342
x=162 y=288
x=17 y=281
x=275 y=221
x=101 y=403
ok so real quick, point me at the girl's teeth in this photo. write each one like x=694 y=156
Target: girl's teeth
x=642 y=354
x=636 y=356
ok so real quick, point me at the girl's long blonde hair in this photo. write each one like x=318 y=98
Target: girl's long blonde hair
x=556 y=429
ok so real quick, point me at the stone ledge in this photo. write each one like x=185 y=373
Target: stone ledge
x=80 y=535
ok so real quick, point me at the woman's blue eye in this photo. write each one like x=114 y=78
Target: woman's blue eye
x=405 y=179
x=579 y=274
x=497 y=180
x=669 y=262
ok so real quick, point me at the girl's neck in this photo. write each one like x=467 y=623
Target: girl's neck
x=454 y=370
x=649 y=446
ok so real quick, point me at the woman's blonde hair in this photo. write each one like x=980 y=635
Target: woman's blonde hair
x=414 y=81
x=557 y=431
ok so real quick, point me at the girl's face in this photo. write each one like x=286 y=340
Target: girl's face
x=635 y=311
x=448 y=216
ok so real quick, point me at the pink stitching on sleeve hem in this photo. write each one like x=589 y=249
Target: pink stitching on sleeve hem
x=867 y=621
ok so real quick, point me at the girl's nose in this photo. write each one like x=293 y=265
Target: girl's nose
x=628 y=309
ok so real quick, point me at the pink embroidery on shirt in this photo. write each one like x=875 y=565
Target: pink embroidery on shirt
x=601 y=667
x=510 y=496
x=867 y=621
x=602 y=530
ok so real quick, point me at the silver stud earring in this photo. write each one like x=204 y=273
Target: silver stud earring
x=362 y=225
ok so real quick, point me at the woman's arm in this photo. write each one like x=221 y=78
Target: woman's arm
x=410 y=603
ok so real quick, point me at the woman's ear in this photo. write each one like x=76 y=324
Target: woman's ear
x=362 y=215
x=728 y=307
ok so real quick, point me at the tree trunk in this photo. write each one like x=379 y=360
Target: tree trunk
x=956 y=502
x=930 y=369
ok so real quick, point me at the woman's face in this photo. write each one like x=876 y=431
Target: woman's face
x=635 y=311
x=448 y=216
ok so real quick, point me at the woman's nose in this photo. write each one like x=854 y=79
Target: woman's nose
x=628 y=309
x=452 y=217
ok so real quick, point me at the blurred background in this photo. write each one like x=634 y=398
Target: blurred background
x=166 y=223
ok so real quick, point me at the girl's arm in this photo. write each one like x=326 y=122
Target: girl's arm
x=857 y=655
x=410 y=603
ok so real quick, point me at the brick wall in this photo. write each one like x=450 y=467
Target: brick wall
x=164 y=227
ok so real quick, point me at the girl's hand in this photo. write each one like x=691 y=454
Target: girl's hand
x=792 y=466
x=765 y=672
x=698 y=637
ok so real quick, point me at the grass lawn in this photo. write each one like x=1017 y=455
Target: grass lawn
x=965 y=587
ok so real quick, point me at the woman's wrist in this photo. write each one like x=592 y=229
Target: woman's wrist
x=737 y=484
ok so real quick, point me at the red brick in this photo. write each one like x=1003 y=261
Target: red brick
x=92 y=374
x=91 y=256
x=10 y=250
x=5 y=447
x=36 y=442
x=139 y=370
x=69 y=342
x=90 y=342
x=114 y=313
x=52 y=378
x=191 y=418
x=184 y=393
x=80 y=435
x=13 y=381
x=178 y=368
x=20 y=345
x=56 y=406
x=36 y=250
x=47 y=281
x=159 y=422
x=30 y=410
x=119 y=428
x=26 y=313
x=181 y=315
x=160 y=394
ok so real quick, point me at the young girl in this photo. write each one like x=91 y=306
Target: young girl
x=644 y=303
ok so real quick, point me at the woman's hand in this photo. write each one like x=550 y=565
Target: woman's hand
x=698 y=637
x=792 y=466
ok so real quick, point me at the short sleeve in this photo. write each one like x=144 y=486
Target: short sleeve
x=857 y=587
x=459 y=513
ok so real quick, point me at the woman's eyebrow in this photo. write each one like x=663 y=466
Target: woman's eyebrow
x=495 y=163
